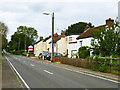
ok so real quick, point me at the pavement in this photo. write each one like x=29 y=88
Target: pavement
x=10 y=81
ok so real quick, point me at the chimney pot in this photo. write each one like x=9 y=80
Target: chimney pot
x=41 y=38
x=86 y=27
x=109 y=21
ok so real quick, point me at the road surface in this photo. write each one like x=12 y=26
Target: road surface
x=39 y=74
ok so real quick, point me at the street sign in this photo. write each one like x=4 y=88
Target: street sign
x=30 y=48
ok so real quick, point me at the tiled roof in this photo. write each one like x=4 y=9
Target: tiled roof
x=46 y=39
x=37 y=42
x=57 y=38
x=87 y=33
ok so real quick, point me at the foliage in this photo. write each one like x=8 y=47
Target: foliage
x=77 y=28
x=20 y=52
x=107 y=40
x=29 y=32
x=84 y=52
x=23 y=36
x=3 y=34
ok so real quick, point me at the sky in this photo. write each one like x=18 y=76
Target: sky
x=15 y=13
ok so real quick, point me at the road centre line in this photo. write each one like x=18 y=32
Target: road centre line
x=48 y=72
x=32 y=65
x=18 y=74
x=86 y=74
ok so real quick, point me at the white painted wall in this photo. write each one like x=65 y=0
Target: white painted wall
x=38 y=48
x=73 y=46
x=62 y=46
x=76 y=46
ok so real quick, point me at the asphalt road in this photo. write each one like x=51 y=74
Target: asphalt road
x=38 y=74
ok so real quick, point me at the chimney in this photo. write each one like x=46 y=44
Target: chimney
x=62 y=33
x=41 y=38
x=109 y=21
x=55 y=35
x=86 y=27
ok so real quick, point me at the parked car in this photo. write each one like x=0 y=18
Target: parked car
x=48 y=57
x=43 y=55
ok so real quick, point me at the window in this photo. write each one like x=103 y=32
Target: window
x=80 y=43
x=70 y=38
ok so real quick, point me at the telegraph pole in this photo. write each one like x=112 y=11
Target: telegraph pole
x=52 y=36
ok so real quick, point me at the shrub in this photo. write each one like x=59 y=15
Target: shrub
x=84 y=52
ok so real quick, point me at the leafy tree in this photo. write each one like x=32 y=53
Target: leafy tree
x=77 y=28
x=3 y=34
x=107 y=40
x=28 y=31
x=23 y=33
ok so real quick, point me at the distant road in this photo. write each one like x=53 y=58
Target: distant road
x=38 y=74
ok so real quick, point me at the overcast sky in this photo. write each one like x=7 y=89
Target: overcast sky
x=30 y=13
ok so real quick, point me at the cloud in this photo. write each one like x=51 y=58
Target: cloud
x=30 y=13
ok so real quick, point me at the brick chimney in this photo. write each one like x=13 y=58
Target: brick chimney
x=109 y=21
x=62 y=33
x=86 y=27
x=41 y=38
x=55 y=35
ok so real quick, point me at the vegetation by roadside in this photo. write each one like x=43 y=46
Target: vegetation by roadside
x=19 y=52
x=96 y=65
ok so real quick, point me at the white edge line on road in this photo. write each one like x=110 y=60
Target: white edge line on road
x=88 y=74
x=48 y=72
x=18 y=74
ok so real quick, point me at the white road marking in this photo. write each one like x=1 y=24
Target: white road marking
x=18 y=74
x=32 y=65
x=48 y=72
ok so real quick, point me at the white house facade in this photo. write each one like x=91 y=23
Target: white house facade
x=72 y=45
x=38 y=47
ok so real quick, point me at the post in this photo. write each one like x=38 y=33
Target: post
x=25 y=43
x=52 y=36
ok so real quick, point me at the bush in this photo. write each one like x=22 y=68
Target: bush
x=84 y=52
x=20 y=52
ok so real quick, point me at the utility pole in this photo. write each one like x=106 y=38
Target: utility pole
x=25 y=42
x=52 y=36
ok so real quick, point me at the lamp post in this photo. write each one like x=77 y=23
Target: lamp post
x=52 y=34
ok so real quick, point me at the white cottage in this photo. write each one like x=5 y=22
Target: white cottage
x=60 y=44
x=72 y=45
x=74 y=42
x=38 y=47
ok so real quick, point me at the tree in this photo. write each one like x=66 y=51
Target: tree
x=3 y=34
x=106 y=40
x=77 y=28
x=18 y=38
x=28 y=31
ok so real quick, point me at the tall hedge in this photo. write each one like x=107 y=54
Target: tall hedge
x=84 y=52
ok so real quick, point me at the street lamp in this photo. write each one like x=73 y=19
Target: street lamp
x=52 y=33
